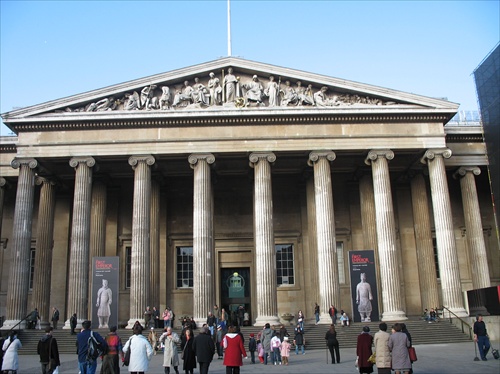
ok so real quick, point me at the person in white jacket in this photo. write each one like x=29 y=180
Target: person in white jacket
x=141 y=351
x=10 y=347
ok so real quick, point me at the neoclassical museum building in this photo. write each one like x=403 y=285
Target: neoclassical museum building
x=234 y=183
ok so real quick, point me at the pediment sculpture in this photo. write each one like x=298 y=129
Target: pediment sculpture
x=228 y=90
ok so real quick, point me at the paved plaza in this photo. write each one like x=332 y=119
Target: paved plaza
x=432 y=358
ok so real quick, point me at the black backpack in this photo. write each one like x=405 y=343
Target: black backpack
x=95 y=349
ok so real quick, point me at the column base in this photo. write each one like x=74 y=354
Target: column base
x=324 y=319
x=67 y=325
x=459 y=312
x=131 y=323
x=394 y=316
x=14 y=324
x=262 y=320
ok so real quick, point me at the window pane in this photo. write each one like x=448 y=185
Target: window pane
x=284 y=264
x=340 y=262
x=184 y=267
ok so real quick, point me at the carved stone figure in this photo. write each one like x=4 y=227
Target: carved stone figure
x=289 y=95
x=254 y=91
x=230 y=86
x=321 y=99
x=132 y=101
x=147 y=97
x=305 y=96
x=272 y=91
x=183 y=96
x=215 y=90
x=199 y=93
x=165 y=98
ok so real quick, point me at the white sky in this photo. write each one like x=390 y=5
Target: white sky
x=53 y=49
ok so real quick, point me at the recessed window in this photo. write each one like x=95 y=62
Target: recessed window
x=128 y=266
x=32 y=267
x=436 y=258
x=285 y=264
x=340 y=262
x=184 y=267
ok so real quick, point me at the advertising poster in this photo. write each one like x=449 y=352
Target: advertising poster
x=363 y=286
x=105 y=286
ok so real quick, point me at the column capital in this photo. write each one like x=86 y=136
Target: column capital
x=316 y=155
x=255 y=157
x=3 y=181
x=18 y=161
x=134 y=160
x=463 y=170
x=376 y=153
x=430 y=154
x=195 y=157
x=42 y=180
x=75 y=161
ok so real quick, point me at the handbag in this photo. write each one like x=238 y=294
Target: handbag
x=373 y=358
x=412 y=353
x=126 y=359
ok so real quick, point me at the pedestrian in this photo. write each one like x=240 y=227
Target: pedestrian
x=156 y=317
x=252 y=347
x=219 y=335
x=285 y=350
x=233 y=351
x=300 y=319
x=333 y=314
x=266 y=336
x=140 y=351
x=333 y=344
x=111 y=360
x=55 y=317
x=72 y=323
x=10 y=348
x=481 y=337
x=283 y=332
x=211 y=322
x=148 y=317
x=276 y=347
x=344 y=319
x=153 y=339
x=204 y=349
x=85 y=366
x=48 y=351
x=383 y=355
x=408 y=335
x=316 y=312
x=299 y=340
x=241 y=315
x=260 y=351
x=398 y=345
x=364 y=351
x=188 y=354
x=170 y=339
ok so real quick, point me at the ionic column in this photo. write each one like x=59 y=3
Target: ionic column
x=3 y=183
x=98 y=221
x=203 y=243
x=140 y=272
x=328 y=279
x=155 y=244
x=386 y=235
x=313 y=240
x=425 y=250
x=446 y=246
x=265 y=252
x=78 y=274
x=17 y=289
x=474 y=229
x=43 y=253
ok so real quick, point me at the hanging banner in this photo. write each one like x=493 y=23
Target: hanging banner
x=105 y=286
x=363 y=286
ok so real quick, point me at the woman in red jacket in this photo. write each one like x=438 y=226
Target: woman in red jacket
x=234 y=350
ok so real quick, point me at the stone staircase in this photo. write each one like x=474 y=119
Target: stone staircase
x=422 y=333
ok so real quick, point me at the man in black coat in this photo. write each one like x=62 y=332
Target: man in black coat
x=48 y=351
x=204 y=349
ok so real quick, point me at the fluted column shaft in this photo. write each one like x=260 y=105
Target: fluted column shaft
x=43 y=253
x=98 y=221
x=313 y=239
x=386 y=236
x=78 y=274
x=328 y=279
x=140 y=272
x=17 y=289
x=265 y=252
x=425 y=250
x=474 y=228
x=3 y=183
x=203 y=243
x=446 y=246
x=155 y=244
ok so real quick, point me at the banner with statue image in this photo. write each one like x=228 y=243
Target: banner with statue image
x=105 y=287
x=363 y=286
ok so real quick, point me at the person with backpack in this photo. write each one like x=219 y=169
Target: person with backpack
x=90 y=345
x=48 y=351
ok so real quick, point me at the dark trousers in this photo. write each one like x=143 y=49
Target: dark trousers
x=219 y=349
x=204 y=367
x=252 y=356
x=483 y=344
x=334 y=348
x=232 y=370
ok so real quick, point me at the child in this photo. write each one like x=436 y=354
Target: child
x=252 y=347
x=260 y=349
x=285 y=350
x=275 y=346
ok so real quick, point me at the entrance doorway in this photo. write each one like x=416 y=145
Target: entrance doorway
x=235 y=294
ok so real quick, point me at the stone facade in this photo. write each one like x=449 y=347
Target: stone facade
x=255 y=176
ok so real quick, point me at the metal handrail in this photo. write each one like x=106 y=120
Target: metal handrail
x=463 y=322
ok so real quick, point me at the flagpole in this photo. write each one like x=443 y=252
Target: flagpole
x=228 y=28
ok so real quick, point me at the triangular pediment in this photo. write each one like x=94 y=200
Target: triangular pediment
x=227 y=85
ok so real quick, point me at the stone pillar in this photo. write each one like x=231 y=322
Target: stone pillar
x=17 y=289
x=98 y=221
x=3 y=183
x=449 y=271
x=429 y=292
x=313 y=241
x=386 y=235
x=265 y=251
x=155 y=245
x=474 y=229
x=43 y=253
x=78 y=274
x=140 y=272
x=203 y=243
x=328 y=280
